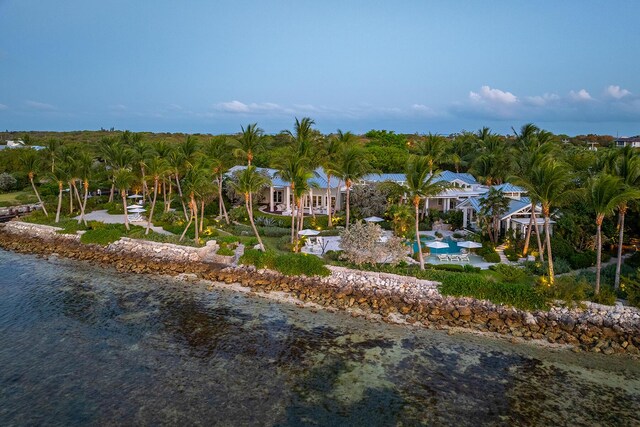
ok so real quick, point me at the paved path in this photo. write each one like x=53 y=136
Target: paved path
x=107 y=218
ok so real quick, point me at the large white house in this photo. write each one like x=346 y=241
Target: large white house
x=465 y=194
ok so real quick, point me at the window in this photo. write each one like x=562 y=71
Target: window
x=278 y=196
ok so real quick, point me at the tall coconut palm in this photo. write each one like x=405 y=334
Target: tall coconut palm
x=176 y=162
x=140 y=151
x=248 y=142
x=293 y=168
x=84 y=169
x=157 y=168
x=352 y=165
x=330 y=155
x=60 y=176
x=420 y=184
x=51 y=148
x=164 y=149
x=30 y=161
x=604 y=193
x=250 y=181
x=115 y=156
x=627 y=167
x=303 y=137
x=434 y=148
x=549 y=183
x=196 y=181
x=217 y=151
x=493 y=206
x=123 y=180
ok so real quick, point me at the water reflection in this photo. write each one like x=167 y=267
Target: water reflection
x=80 y=346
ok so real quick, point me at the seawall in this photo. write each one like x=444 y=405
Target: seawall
x=594 y=327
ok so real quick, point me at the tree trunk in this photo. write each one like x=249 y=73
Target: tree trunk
x=85 y=185
x=33 y=185
x=201 y=214
x=622 y=211
x=187 y=227
x=224 y=208
x=528 y=234
x=124 y=204
x=598 y=254
x=184 y=208
x=417 y=206
x=77 y=193
x=164 y=195
x=540 y=248
x=249 y=207
x=145 y=189
x=153 y=205
x=112 y=191
x=59 y=202
x=548 y=239
x=348 y=184
x=329 y=224
x=70 y=199
x=292 y=206
x=195 y=214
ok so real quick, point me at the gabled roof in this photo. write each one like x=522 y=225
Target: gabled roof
x=319 y=179
x=507 y=187
x=382 y=177
x=452 y=176
x=514 y=205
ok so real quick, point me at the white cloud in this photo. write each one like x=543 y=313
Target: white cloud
x=35 y=105
x=240 y=107
x=616 y=92
x=581 y=95
x=3 y=107
x=487 y=94
x=542 y=100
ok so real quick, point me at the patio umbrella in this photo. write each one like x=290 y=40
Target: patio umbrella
x=374 y=219
x=137 y=210
x=308 y=232
x=135 y=196
x=437 y=245
x=469 y=245
x=134 y=207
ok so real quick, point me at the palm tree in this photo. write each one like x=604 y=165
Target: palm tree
x=330 y=154
x=604 y=193
x=420 y=184
x=84 y=169
x=249 y=142
x=196 y=182
x=123 y=179
x=157 y=168
x=140 y=151
x=59 y=175
x=549 y=183
x=249 y=182
x=217 y=152
x=627 y=167
x=351 y=166
x=434 y=148
x=293 y=169
x=303 y=136
x=176 y=161
x=163 y=149
x=115 y=156
x=493 y=205
x=51 y=148
x=30 y=161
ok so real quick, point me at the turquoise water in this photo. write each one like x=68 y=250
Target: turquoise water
x=85 y=345
x=452 y=249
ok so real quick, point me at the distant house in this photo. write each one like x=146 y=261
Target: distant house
x=628 y=141
x=19 y=144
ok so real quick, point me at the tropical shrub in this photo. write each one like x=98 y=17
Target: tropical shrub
x=287 y=264
x=7 y=182
x=607 y=296
x=361 y=244
x=570 y=288
x=509 y=273
x=101 y=236
x=519 y=295
x=631 y=288
x=511 y=254
x=274 y=231
x=579 y=260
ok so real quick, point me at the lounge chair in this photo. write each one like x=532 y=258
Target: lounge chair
x=454 y=258
x=443 y=257
x=464 y=258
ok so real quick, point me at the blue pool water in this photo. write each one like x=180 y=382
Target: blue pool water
x=452 y=249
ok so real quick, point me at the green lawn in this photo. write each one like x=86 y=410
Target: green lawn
x=17 y=198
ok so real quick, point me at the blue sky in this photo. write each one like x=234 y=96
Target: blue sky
x=409 y=66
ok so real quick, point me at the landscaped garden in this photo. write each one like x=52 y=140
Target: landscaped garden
x=185 y=190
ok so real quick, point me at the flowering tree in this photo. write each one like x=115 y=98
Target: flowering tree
x=361 y=244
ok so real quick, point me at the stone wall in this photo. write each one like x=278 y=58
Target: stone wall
x=394 y=298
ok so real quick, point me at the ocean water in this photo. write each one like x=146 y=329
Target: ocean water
x=86 y=345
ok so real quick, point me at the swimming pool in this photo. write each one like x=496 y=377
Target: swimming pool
x=452 y=249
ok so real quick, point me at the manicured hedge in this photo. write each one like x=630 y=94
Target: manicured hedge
x=519 y=295
x=287 y=264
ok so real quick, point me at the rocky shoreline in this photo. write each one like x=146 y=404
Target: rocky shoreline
x=388 y=297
